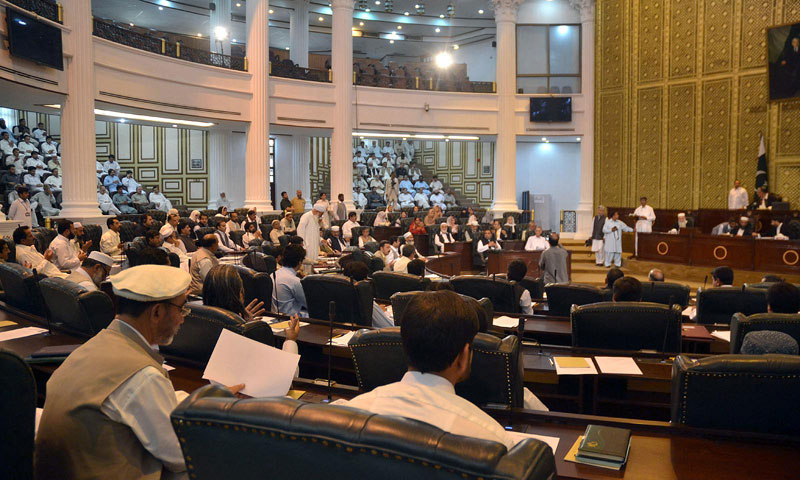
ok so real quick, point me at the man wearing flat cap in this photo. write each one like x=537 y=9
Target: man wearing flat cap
x=108 y=405
x=93 y=271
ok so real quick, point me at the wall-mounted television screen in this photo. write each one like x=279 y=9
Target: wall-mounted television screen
x=34 y=40
x=551 y=109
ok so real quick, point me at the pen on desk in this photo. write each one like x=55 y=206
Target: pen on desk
x=551 y=362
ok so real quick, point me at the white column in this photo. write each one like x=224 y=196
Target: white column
x=219 y=171
x=505 y=160
x=77 y=115
x=586 y=200
x=301 y=167
x=220 y=17
x=298 y=33
x=342 y=67
x=257 y=155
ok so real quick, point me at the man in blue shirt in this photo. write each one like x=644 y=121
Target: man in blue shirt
x=422 y=185
x=288 y=297
x=111 y=182
x=406 y=183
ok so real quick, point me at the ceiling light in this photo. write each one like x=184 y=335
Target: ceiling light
x=271 y=11
x=377 y=2
x=361 y=24
x=233 y=40
x=443 y=60
x=321 y=19
x=426 y=136
x=455 y=47
x=161 y=8
x=438 y=30
x=405 y=13
x=480 y=12
x=578 y=139
x=287 y=48
x=220 y=33
x=121 y=120
x=174 y=125
x=446 y=139
x=199 y=34
x=415 y=6
x=145 y=118
x=367 y=10
x=544 y=139
x=562 y=29
x=130 y=24
x=391 y=41
x=399 y=27
x=441 y=15
x=238 y=4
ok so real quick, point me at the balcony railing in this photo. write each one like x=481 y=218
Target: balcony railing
x=430 y=83
x=44 y=8
x=287 y=69
x=140 y=41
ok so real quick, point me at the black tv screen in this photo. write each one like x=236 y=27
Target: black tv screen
x=34 y=40
x=551 y=109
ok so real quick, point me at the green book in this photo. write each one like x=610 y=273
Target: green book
x=605 y=443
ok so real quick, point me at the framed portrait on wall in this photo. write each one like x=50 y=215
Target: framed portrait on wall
x=783 y=56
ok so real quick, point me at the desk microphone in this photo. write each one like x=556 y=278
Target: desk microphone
x=331 y=317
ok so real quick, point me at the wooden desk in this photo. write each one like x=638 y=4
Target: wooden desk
x=386 y=233
x=777 y=256
x=421 y=242
x=448 y=263
x=464 y=249
x=498 y=260
x=705 y=219
x=663 y=247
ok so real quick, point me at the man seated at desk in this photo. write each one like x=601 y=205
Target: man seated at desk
x=743 y=229
x=683 y=222
x=487 y=243
x=537 y=242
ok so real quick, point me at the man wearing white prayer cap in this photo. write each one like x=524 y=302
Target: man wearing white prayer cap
x=108 y=405
x=744 y=228
x=93 y=271
x=172 y=244
x=308 y=230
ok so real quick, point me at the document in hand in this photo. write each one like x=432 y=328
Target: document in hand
x=264 y=370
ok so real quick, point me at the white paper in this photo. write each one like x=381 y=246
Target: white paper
x=690 y=312
x=279 y=330
x=618 y=365
x=577 y=371
x=551 y=441
x=506 y=322
x=168 y=368
x=21 y=332
x=722 y=335
x=264 y=370
x=343 y=340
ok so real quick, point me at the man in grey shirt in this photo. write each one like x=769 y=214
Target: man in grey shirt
x=553 y=262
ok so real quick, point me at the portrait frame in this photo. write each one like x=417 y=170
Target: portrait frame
x=783 y=84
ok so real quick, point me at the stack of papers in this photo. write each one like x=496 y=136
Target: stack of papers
x=343 y=340
x=21 y=332
x=618 y=365
x=280 y=326
x=551 y=441
x=575 y=366
x=7 y=323
x=506 y=322
x=722 y=335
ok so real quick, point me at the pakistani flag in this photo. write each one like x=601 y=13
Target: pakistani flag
x=761 y=172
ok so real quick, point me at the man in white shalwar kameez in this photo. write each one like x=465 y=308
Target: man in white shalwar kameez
x=308 y=230
x=612 y=241
x=645 y=216
x=161 y=202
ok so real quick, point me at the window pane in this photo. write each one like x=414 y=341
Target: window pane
x=532 y=84
x=565 y=52
x=565 y=85
x=531 y=50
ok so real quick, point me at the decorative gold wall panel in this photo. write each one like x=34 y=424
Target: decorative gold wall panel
x=648 y=144
x=683 y=38
x=680 y=145
x=651 y=33
x=708 y=73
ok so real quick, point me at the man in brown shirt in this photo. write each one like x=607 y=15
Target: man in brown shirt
x=299 y=203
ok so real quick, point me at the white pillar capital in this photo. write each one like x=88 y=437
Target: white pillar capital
x=586 y=9
x=505 y=10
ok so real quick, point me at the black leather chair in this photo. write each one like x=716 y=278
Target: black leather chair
x=627 y=326
x=496 y=375
x=236 y=236
x=337 y=443
x=717 y=305
x=755 y=393
x=198 y=335
x=257 y=285
x=389 y=283
x=483 y=306
x=372 y=247
x=18 y=404
x=43 y=237
x=562 y=296
x=665 y=293
x=128 y=231
x=504 y=297
x=93 y=233
x=353 y=299
x=368 y=218
x=534 y=286
x=260 y=262
x=21 y=288
x=741 y=325
x=75 y=309
x=203 y=231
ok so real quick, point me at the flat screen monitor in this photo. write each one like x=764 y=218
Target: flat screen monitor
x=34 y=40
x=551 y=109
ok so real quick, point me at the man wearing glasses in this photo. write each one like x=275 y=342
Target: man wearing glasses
x=108 y=405
x=93 y=271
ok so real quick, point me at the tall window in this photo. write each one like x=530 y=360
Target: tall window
x=548 y=59
x=272 y=170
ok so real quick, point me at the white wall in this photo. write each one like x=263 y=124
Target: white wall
x=284 y=167
x=544 y=11
x=550 y=168
x=481 y=60
x=237 y=173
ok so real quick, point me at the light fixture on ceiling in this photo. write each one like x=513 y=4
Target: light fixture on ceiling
x=443 y=60
x=406 y=14
x=441 y=15
x=199 y=34
x=562 y=29
x=361 y=24
x=238 y=5
x=391 y=41
x=399 y=27
x=130 y=24
x=174 y=125
x=377 y=2
x=161 y=8
x=577 y=139
x=438 y=30
x=321 y=19
x=121 y=120
x=220 y=33
x=544 y=139
x=287 y=49
x=271 y=11
x=455 y=47
x=480 y=12
x=388 y=6
x=420 y=8
x=406 y=136
x=367 y=10
x=451 y=10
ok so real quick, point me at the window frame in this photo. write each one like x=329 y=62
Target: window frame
x=550 y=75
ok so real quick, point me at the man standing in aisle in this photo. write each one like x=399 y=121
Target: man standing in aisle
x=308 y=229
x=612 y=241
x=597 y=235
x=645 y=216
x=737 y=197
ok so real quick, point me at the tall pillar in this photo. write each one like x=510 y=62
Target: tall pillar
x=219 y=171
x=298 y=33
x=220 y=17
x=257 y=155
x=586 y=200
x=77 y=115
x=301 y=167
x=505 y=160
x=342 y=68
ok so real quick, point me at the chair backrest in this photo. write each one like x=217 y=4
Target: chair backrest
x=260 y=262
x=128 y=231
x=336 y=442
x=93 y=233
x=496 y=375
x=198 y=335
x=18 y=404
x=353 y=300
x=21 y=288
x=562 y=296
x=665 y=293
x=389 y=283
x=236 y=236
x=500 y=291
x=76 y=309
x=717 y=305
x=257 y=285
x=483 y=306
x=741 y=325
x=627 y=326
x=43 y=237
x=534 y=286
x=755 y=393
